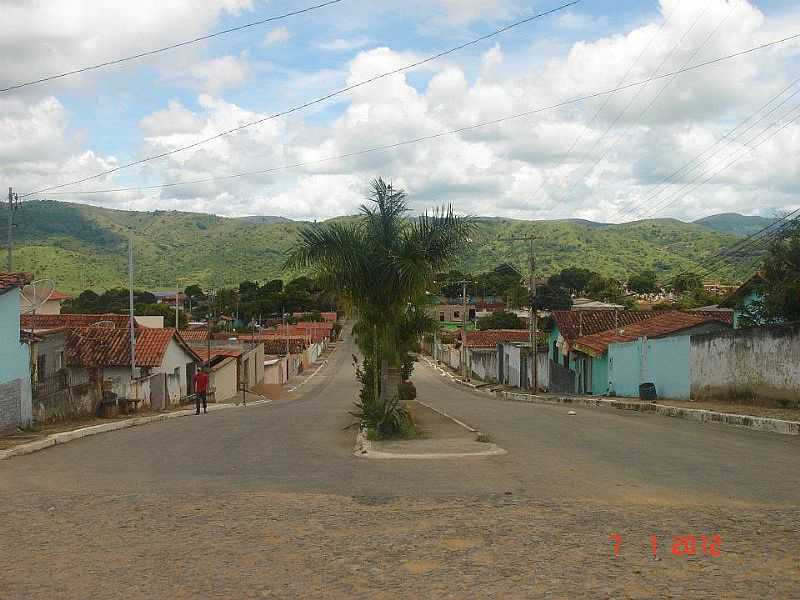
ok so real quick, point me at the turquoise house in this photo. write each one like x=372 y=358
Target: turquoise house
x=743 y=298
x=655 y=350
x=15 y=379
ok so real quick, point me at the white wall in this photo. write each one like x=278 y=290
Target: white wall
x=758 y=364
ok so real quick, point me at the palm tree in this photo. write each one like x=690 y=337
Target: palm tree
x=380 y=267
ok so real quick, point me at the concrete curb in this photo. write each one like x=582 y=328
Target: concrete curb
x=446 y=416
x=317 y=370
x=364 y=449
x=76 y=434
x=765 y=424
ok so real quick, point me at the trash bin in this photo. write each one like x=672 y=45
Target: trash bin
x=647 y=392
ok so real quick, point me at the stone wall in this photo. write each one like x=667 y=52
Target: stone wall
x=10 y=405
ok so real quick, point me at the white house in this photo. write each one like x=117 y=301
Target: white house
x=164 y=363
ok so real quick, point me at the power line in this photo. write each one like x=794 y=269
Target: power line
x=631 y=210
x=658 y=94
x=170 y=47
x=594 y=118
x=748 y=149
x=422 y=138
x=317 y=100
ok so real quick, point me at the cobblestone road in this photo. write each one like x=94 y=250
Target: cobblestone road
x=269 y=502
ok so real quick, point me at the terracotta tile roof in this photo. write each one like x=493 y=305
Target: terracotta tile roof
x=656 y=326
x=277 y=346
x=489 y=338
x=723 y=315
x=192 y=336
x=202 y=352
x=77 y=320
x=329 y=316
x=110 y=347
x=573 y=324
x=12 y=281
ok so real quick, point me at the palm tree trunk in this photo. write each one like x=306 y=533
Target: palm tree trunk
x=390 y=381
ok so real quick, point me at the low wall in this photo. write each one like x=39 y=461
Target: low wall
x=15 y=407
x=483 y=364
x=71 y=403
x=758 y=365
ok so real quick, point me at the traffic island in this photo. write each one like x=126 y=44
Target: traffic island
x=439 y=437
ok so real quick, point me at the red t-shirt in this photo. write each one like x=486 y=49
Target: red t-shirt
x=201 y=382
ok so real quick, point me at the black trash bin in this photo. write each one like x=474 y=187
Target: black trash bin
x=647 y=392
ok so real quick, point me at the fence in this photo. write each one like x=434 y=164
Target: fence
x=65 y=395
x=59 y=381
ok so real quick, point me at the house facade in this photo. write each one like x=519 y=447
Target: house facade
x=50 y=305
x=15 y=380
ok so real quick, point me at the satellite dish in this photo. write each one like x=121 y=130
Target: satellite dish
x=36 y=294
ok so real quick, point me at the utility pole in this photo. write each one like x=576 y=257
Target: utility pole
x=464 y=371
x=130 y=304
x=11 y=198
x=533 y=324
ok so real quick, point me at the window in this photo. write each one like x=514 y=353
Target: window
x=41 y=367
x=456 y=315
x=441 y=317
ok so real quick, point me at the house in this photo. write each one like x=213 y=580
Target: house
x=568 y=326
x=233 y=367
x=15 y=376
x=451 y=313
x=45 y=305
x=655 y=350
x=164 y=363
x=744 y=297
x=168 y=298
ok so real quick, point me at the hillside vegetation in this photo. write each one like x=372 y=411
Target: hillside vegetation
x=83 y=246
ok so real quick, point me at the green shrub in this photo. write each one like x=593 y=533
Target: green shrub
x=389 y=419
x=407 y=391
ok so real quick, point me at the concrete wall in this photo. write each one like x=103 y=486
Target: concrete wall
x=483 y=364
x=664 y=362
x=223 y=380
x=14 y=355
x=761 y=364
x=74 y=402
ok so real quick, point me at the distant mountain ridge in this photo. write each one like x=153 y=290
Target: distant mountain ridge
x=735 y=224
x=82 y=246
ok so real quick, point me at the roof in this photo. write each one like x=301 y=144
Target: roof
x=724 y=315
x=656 y=326
x=589 y=304
x=277 y=347
x=202 y=352
x=110 y=347
x=732 y=299
x=76 y=320
x=12 y=281
x=194 y=335
x=574 y=324
x=489 y=338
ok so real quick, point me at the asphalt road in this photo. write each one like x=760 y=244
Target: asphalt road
x=274 y=499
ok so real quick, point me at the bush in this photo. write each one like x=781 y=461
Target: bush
x=389 y=419
x=407 y=391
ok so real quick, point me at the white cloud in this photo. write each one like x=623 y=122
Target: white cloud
x=222 y=73
x=343 y=44
x=279 y=35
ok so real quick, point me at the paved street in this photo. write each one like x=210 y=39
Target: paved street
x=269 y=502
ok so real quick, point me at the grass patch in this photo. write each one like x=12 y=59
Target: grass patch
x=484 y=438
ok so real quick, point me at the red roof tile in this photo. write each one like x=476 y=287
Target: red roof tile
x=11 y=281
x=202 y=352
x=192 y=336
x=656 y=326
x=573 y=324
x=489 y=338
x=76 y=320
x=110 y=347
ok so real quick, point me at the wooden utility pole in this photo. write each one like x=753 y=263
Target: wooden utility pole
x=10 y=263
x=533 y=325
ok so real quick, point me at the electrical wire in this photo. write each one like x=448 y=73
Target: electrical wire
x=167 y=48
x=313 y=102
x=421 y=138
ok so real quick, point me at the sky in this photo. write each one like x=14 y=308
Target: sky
x=721 y=138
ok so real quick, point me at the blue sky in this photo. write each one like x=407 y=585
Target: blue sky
x=71 y=128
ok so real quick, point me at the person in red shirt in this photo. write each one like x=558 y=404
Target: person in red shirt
x=200 y=380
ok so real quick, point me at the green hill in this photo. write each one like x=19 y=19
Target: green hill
x=735 y=224
x=83 y=246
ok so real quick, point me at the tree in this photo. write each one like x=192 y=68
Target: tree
x=501 y=320
x=551 y=297
x=687 y=282
x=574 y=279
x=643 y=283
x=780 y=289
x=381 y=267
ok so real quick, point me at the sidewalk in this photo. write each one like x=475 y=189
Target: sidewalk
x=773 y=420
